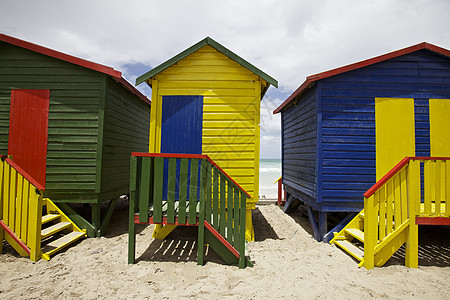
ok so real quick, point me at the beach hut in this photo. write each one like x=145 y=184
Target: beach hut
x=344 y=129
x=71 y=124
x=206 y=100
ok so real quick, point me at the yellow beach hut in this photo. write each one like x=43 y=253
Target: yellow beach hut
x=206 y=100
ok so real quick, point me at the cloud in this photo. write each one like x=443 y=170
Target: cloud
x=288 y=40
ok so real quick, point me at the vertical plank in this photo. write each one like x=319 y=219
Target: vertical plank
x=5 y=196
x=201 y=216
x=184 y=165
x=193 y=192
x=2 y=166
x=380 y=196
x=428 y=186
x=12 y=200
x=158 y=189
x=404 y=194
x=236 y=218
x=241 y=248
x=208 y=202
x=438 y=186
x=171 y=185
x=412 y=239
x=447 y=188
x=216 y=199
x=222 y=205
x=370 y=237
x=389 y=207
x=34 y=236
x=229 y=209
x=19 y=205
x=25 y=210
x=144 y=191
x=397 y=202
x=131 y=211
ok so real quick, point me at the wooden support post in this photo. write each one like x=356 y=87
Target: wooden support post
x=323 y=225
x=107 y=218
x=201 y=217
x=96 y=218
x=370 y=237
x=132 y=199
x=412 y=239
x=312 y=220
x=242 y=227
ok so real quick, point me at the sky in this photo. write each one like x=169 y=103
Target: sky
x=287 y=39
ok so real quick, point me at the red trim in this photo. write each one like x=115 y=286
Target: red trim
x=74 y=60
x=163 y=222
x=23 y=173
x=221 y=239
x=432 y=221
x=181 y=155
x=313 y=78
x=14 y=237
x=395 y=169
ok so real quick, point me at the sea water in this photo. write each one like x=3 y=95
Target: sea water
x=269 y=172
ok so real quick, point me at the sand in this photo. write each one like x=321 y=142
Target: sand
x=289 y=263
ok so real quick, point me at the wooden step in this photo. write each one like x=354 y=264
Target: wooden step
x=48 y=218
x=356 y=233
x=54 y=229
x=61 y=243
x=350 y=249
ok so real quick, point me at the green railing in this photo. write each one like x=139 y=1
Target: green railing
x=190 y=190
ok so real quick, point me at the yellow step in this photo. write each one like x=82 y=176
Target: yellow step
x=54 y=229
x=61 y=243
x=350 y=249
x=48 y=218
x=356 y=233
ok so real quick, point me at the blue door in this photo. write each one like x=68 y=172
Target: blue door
x=181 y=131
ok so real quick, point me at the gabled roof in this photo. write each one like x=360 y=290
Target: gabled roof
x=116 y=75
x=207 y=41
x=310 y=80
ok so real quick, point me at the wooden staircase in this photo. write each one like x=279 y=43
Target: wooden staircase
x=416 y=191
x=58 y=231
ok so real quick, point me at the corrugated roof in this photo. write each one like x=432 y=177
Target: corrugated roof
x=310 y=80
x=207 y=41
x=116 y=75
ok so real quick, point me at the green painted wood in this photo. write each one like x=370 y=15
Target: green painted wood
x=107 y=216
x=208 y=200
x=96 y=218
x=77 y=219
x=222 y=205
x=229 y=211
x=158 y=189
x=172 y=178
x=236 y=220
x=193 y=191
x=201 y=215
x=145 y=188
x=241 y=248
x=131 y=211
x=215 y=203
x=220 y=249
x=184 y=162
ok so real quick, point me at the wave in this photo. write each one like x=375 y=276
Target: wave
x=267 y=170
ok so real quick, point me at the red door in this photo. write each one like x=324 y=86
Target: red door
x=28 y=127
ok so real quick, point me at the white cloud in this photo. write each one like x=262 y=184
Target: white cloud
x=289 y=40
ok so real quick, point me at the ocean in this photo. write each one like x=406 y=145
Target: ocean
x=269 y=171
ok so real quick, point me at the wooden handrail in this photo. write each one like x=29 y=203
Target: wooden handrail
x=395 y=169
x=192 y=156
x=23 y=173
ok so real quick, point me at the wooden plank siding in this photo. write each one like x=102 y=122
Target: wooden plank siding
x=347 y=130
x=231 y=108
x=125 y=129
x=73 y=114
x=78 y=98
x=299 y=139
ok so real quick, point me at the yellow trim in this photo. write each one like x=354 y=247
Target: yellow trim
x=153 y=114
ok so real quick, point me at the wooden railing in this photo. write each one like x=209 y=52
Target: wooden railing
x=187 y=189
x=20 y=209
x=398 y=202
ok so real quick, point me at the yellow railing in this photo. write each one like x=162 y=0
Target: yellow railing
x=393 y=204
x=20 y=210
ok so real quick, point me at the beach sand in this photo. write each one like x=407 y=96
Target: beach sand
x=289 y=263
